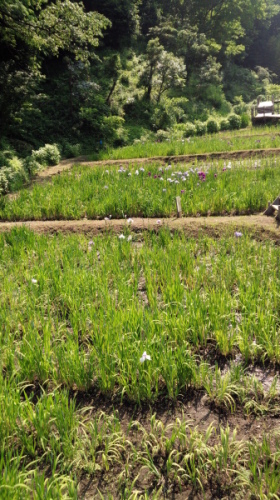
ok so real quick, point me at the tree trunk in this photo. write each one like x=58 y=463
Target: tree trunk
x=108 y=100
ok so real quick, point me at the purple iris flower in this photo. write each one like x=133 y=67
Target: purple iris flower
x=202 y=176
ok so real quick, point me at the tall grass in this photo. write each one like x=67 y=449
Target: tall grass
x=257 y=138
x=241 y=187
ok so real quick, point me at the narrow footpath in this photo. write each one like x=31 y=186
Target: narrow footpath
x=258 y=226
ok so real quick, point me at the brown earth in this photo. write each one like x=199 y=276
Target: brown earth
x=259 y=226
x=229 y=155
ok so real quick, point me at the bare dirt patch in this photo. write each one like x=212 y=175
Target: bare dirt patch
x=192 y=405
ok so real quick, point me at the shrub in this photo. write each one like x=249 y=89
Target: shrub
x=146 y=137
x=162 y=135
x=224 y=125
x=4 y=179
x=245 y=120
x=177 y=132
x=6 y=154
x=18 y=174
x=212 y=126
x=213 y=94
x=239 y=109
x=190 y=129
x=31 y=165
x=240 y=82
x=234 y=122
x=201 y=127
x=169 y=112
x=179 y=127
x=113 y=132
x=47 y=155
x=161 y=119
x=71 y=150
x=12 y=175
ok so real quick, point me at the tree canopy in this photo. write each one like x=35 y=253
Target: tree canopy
x=48 y=27
x=69 y=69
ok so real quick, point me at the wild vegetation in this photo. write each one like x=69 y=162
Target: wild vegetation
x=102 y=73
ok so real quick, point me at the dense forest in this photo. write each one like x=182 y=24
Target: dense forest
x=91 y=74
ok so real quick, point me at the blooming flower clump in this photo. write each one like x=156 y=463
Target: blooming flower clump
x=202 y=176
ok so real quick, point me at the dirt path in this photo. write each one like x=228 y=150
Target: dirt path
x=229 y=155
x=260 y=226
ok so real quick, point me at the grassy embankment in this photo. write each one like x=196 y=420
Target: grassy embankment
x=247 y=139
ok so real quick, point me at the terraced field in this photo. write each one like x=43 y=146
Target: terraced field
x=141 y=363
x=214 y=188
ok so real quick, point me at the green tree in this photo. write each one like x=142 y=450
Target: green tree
x=124 y=17
x=162 y=70
x=48 y=28
x=231 y=23
x=30 y=32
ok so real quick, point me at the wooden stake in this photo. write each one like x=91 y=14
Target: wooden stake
x=178 y=206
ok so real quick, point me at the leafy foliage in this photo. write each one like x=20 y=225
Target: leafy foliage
x=212 y=126
x=234 y=122
x=51 y=27
x=73 y=71
x=47 y=155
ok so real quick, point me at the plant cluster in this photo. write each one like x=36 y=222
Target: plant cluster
x=85 y=314
x=47 y=155
x=15 y=172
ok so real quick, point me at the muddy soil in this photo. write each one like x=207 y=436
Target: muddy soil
x=192 y=407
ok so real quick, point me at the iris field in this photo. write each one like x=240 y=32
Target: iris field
x=136 y=319
x=223 y=187
x=140 y=365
